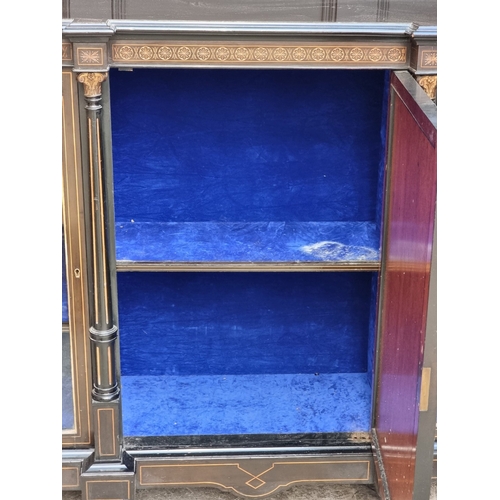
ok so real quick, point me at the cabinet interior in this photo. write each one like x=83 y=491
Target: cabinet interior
x=248 y=167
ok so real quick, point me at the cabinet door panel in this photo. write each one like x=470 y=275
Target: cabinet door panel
x=76 y=358
x=405 y=284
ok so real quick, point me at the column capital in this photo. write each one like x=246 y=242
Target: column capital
x=92 y=83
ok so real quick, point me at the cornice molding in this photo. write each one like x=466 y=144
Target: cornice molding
x=141 y=27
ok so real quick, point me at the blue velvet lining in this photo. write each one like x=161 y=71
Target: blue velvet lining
x=247 y=165
x=247 y=241
x=243 y=323
x=247 y=146
x=245 y=404
x=226 y=353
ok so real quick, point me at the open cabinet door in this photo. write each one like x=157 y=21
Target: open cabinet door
x=404 y=402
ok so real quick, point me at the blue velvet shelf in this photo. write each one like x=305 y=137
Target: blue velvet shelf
x=250 y=242
x=247 y=167
x=246 y=353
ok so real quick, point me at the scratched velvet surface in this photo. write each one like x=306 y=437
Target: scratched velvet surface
x=247 y=241
x=240 y=149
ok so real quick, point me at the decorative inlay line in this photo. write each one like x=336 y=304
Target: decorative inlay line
x=264 y=53
x=106 y=482
x=94 y=250
x=103 y=223
x=101 y=414
x=246 y=266
x=71 y=473
x=234 y=477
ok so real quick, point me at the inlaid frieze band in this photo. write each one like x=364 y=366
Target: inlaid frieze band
x=238 y=54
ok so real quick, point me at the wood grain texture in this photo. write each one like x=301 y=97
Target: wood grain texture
x=406 y=271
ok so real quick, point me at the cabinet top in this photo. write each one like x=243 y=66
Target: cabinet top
x=422 y=12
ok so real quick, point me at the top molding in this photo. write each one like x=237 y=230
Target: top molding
x=98 y=45
x=75 y=27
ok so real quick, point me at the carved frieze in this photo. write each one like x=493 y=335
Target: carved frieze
x=242 y=54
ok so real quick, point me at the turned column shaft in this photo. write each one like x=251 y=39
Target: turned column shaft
x=103 y=331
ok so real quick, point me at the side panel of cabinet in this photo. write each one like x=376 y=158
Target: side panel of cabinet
x=406 y=268
x=73 y=218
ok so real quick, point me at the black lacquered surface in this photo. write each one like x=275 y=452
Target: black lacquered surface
x=422 y=12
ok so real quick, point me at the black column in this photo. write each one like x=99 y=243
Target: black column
x=103 y=331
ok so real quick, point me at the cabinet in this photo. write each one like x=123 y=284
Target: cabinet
x=248 y=230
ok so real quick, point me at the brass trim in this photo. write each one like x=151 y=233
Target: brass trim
x=110 y=366
x=425 y=389
x=371 y=266
x=77 y=469
x=103 y=225
x=99 y=410
x=98 y=367
x=234 y=53
x=94 y=238
x=68 y=255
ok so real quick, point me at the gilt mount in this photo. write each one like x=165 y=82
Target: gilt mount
x=429 y=84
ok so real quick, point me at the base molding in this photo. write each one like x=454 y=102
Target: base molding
x=245 y=475
x=254 y=477
x=74 y=463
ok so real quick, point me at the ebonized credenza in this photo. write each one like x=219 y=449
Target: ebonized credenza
x=249 y=270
